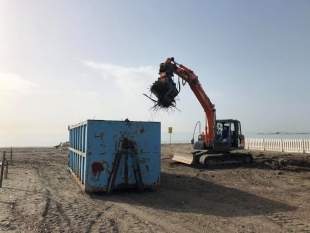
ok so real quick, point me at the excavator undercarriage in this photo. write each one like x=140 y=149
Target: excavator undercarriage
x=212 y=159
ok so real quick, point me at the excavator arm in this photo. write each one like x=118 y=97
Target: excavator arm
x=171 y=67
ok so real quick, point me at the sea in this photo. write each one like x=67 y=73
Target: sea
x=50 y=140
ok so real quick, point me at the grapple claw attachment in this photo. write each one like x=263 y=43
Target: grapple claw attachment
x=165 y=90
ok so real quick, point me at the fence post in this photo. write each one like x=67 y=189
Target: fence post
x=264 y=144
x=282 y=150
x=303 y=145
x=11 y=156
x=2 y=167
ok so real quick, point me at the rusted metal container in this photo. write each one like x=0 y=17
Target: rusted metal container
x=106 y=155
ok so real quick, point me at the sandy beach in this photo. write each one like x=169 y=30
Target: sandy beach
x=270 y=195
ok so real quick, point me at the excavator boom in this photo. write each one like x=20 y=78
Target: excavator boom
x=191 y=78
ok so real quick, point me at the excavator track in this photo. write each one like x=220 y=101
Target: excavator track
x=212 y=160
x=229 y=159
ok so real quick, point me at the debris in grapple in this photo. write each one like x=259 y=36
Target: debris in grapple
x=164 y=89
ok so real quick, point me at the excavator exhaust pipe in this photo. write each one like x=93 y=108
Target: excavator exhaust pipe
x=183 y=157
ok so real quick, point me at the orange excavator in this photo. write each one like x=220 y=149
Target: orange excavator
x=219 y=138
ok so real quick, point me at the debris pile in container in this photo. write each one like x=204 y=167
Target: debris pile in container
x=62 y=145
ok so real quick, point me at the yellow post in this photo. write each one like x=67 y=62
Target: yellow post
x=170 y=132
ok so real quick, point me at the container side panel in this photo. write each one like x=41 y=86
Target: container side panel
x=103 y=141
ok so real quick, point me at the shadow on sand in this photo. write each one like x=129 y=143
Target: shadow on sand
x=185 y=194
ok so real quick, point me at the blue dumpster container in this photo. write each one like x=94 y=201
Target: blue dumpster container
x=106 y=155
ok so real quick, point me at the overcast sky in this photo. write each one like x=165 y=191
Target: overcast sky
x=62 y=62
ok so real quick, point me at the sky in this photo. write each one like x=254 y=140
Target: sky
x=63 y=62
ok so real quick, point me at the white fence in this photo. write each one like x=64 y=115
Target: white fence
x=283 y=145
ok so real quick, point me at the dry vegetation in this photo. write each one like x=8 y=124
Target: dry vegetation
x=166 y=94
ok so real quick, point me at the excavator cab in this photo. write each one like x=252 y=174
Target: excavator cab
x=228 y=135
